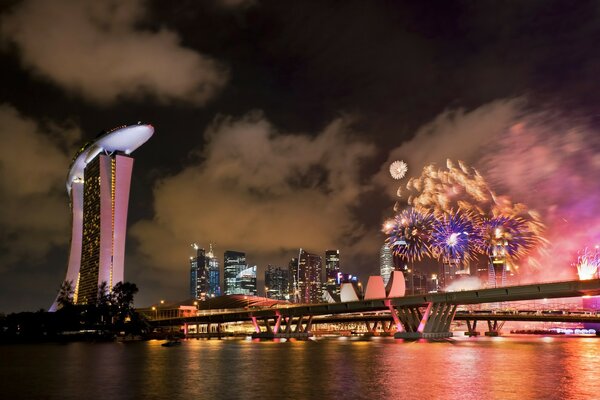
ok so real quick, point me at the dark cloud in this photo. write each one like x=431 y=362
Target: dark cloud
x=34 y=216
x=95 y=49
x=258 y=190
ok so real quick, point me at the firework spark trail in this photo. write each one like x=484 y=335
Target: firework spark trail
x=408 y=235
x=459 y=187
x=454 y=237
x=587 y=264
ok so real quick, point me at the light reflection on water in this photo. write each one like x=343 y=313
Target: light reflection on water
x=461 y=368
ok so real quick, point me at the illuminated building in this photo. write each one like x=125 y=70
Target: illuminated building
x=234 y=262
x=204 y=274
x=386 y=263
x=98 y=185
x=332 y=268
x=214 y=275
x=293 y=268
x=247 y=281
x=309 y=278
x=277 y=282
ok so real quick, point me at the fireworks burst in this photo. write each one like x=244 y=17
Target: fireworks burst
x=503 y=226
x=455 y=238
x=398 y=169
x=588 y=263
x=507 y=237
x=408 y=235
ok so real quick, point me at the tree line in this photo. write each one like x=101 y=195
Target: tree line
x=111 y=315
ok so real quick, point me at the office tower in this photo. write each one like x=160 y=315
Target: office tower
x=386 y=263
x=277 y=282
x=214 y=275
x=98 y=185
x=199 y=286
x=294 y=291
x=332 y=269
x=247 y=281
x=234 y=262
x=309 y=277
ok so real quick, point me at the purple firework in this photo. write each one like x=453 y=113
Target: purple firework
x=409 y=235
x=454 y=237
x=511 y=234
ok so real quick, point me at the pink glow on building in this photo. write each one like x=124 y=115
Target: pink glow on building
x=111 y=183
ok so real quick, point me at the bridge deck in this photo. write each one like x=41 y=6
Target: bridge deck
x=495 y=295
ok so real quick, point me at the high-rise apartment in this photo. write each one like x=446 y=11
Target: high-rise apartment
x=309 y=278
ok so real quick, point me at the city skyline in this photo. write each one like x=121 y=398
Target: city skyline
x=277 y=123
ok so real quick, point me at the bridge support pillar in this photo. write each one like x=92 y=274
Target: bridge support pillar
x=494 y=328
x=431 y=323
x=472 y=328
x=298 y=328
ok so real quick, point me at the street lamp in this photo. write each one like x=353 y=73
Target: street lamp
x=155 y=312
x=266 y=291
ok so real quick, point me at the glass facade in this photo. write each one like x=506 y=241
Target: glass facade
x=247 y=279
x=332 y=269
x=234 y=262
x=277 y=283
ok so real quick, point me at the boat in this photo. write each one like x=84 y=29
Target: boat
x=171 y=343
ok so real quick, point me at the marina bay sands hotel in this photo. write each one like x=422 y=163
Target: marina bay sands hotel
x=98 y=185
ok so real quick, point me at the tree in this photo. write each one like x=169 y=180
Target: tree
x=65 y=294
x=122 y=300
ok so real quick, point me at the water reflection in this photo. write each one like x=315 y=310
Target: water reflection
x=461 y=368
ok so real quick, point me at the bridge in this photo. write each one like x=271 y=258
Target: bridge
x=412 y=317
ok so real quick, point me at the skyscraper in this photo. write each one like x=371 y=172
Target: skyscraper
x=277 y=282
x=386 y=263
x=204 y=274
x=98 y=186
x=247 y=280
x=293 y=268
x=309 y=277
x=214 y=275
x=198 y=274
x=234 y=262
x=332 y=269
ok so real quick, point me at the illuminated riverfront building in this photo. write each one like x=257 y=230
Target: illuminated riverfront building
x=204 y=274
x=277 y=282
x=98 y=186
x=332 y=269
x=247 y=281
x=214 y=275
x=234 y=262
x=308 y=278
x=198 y=274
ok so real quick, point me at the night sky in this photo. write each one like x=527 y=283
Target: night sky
x=276 y=122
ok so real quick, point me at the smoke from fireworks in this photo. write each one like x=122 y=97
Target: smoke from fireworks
x=398 y=169
x=552 y=164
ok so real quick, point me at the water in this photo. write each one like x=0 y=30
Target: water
x=516 y=367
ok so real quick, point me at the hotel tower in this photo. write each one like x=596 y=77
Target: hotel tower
x=98 y=186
